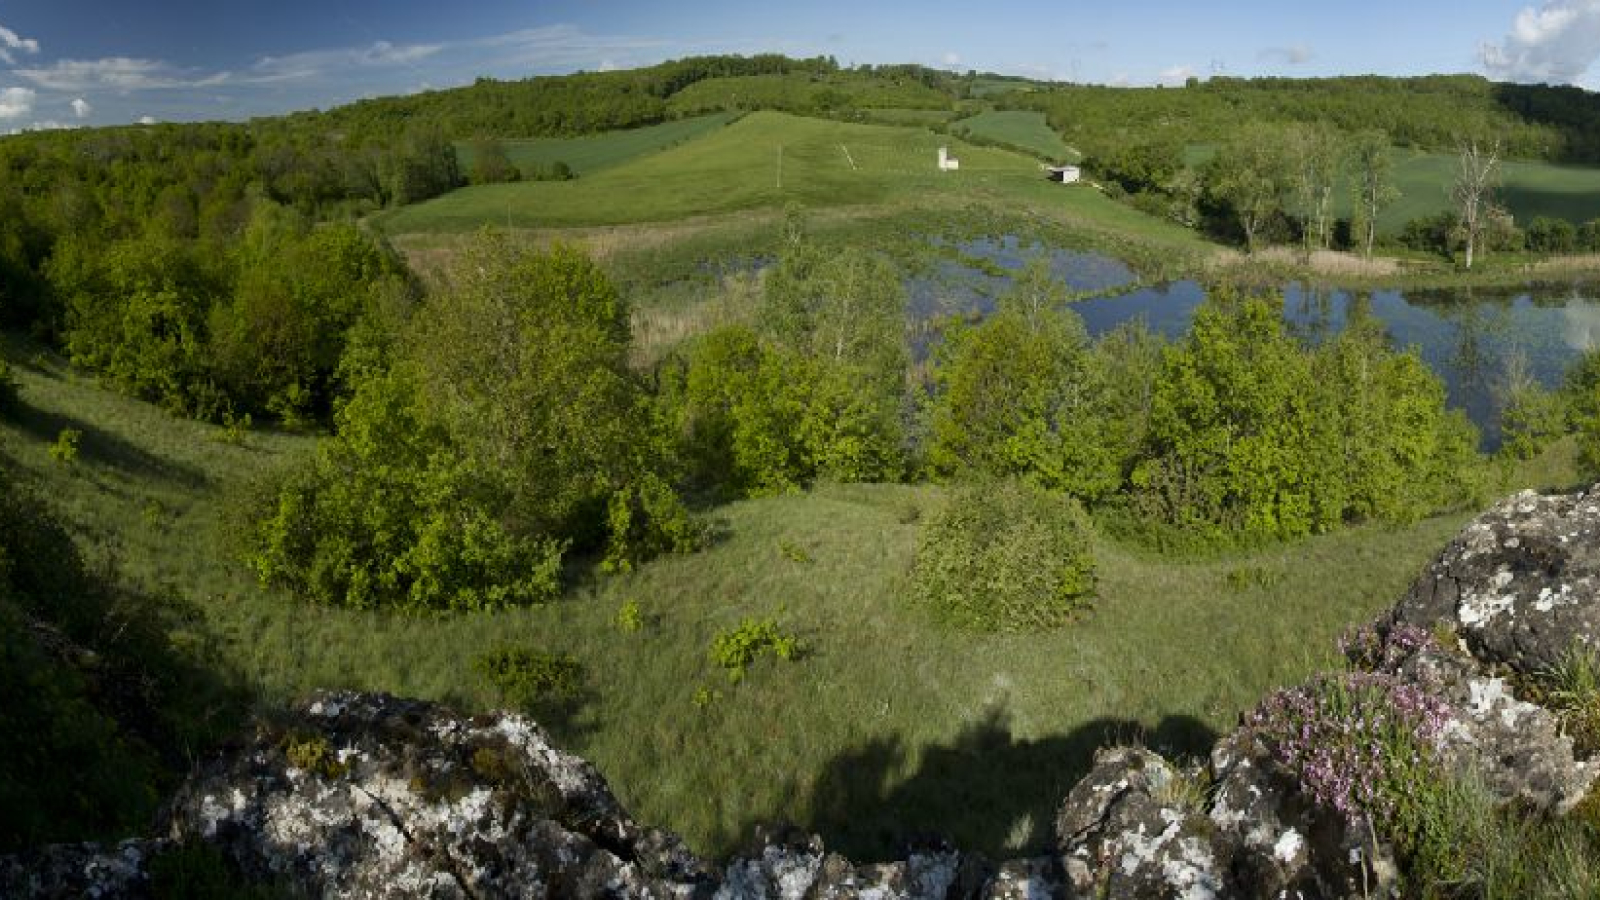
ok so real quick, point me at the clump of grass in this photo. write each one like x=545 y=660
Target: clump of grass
x=1572 y=688
x=734 y=650
x=629 y=617
x=1243 y=578
x=793 y=552
x=233 y=431
x=65 y=449
x=524 y=675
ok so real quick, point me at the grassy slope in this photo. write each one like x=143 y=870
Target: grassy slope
x=888 y=720
x=1019 y=128
x=596 y=152
x=735 y=170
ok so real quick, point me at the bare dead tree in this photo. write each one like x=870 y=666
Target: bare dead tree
x=1477 y=176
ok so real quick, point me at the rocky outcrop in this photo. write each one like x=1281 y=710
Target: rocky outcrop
x=360 y=795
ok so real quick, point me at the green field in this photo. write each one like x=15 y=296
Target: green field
x=1529 y=190
x=1019 y=128
x=887 y=718
x=592 y=153
x=766 y=160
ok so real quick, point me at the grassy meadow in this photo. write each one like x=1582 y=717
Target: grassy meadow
x=1026 y=129
x=887 y=718
x=591 y=153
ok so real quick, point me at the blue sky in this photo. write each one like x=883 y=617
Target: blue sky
x=73 y=62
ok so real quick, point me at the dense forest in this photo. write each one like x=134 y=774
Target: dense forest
x=1559 y=124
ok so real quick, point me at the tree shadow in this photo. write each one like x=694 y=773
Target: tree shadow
x=103 y=448
x=985 y=790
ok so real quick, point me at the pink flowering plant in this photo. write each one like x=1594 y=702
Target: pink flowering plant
x=1361 y=743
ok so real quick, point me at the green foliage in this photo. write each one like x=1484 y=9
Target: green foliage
x=1253 y=434
x=630 y=616
x=65 y=449
x=1572 y=688
x=1005 y=556
x=524 y=676
x=510 y=431
x=311 y=753
x=818 y=395
x=558 y=170
x=794 y=552
x=735 y=649
x=1531 y=416
x=1022 y=394
x=1581 y=394
x=1251 y=176
x=490 y=164
x=1548 y=235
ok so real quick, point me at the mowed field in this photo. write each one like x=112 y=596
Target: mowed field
x=887 y=719
x=1019 y=128
x=592 y=153
x=764 y=159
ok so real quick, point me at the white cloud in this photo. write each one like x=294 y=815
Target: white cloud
x=951 y=58
x=15 y=102
x=609 y=65
x=118 y=73
x=1556 y=43
x=1292 y=55
x=81 y=108
x=11 y=43
x=147 y=120
x=553 y=47
x=1175 y=74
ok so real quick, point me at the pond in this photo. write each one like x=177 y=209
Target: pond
x=1468 y=336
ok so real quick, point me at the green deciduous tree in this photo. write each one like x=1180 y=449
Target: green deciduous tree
x=1251 y=174
x=1372 y=184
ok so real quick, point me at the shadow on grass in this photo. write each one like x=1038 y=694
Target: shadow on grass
x=100 y=447
x=985 y=791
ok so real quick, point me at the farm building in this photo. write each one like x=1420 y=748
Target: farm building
x=1065 y=174
x=947 y=163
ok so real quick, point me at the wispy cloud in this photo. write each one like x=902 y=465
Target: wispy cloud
x=12 y=43
x=81 y=108
x=120 y=73
x=16 y=102
x=1557 y=43
x=951 y=58
x=315 y=63
x=1292 y=55
x=553 y=47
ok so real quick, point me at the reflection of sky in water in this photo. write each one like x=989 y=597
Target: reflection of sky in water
x=1466 y=336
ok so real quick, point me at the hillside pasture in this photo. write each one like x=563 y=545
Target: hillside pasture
x=765 y=159
x=1023 y=129
x=593 y=153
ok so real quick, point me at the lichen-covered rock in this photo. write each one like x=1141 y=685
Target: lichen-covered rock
x=363 y=795
x=1519 y=748
x=1122 y=836
x=81 y=870
x=1519 y=584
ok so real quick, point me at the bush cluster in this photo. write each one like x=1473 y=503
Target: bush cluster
x=524 y=675
x=1005 y=556
x=735 y=649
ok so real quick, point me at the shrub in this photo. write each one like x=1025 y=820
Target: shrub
x=629 y=617
x=65 y=449
x=524 y=675
x=1004 y=556
x=1548 y=235
x=734 y=650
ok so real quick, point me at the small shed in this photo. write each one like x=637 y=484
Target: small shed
x=947 y=163
x=1065 y=174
